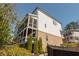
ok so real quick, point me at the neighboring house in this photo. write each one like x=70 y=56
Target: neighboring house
x=40 y=24
x=72 y=36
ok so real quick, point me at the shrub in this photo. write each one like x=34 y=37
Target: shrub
x=29 y=43
x=40 y=45
x=14 y=50
x=73 y=44
x=35 y=49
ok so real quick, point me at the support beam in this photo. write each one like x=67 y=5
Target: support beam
x=27 y=27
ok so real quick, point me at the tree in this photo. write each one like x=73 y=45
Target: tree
x=29 y=43
x=35 y=46
x=71 y=25
x=40 y=45
x=7 y=17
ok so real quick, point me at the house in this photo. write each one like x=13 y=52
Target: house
x=72 y=36
x=40 y=24
x=72 y=33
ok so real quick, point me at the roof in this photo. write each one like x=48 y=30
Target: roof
x=73 y=49
x=75 y=30
x=37 y=8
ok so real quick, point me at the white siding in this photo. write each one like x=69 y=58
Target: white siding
x=50 y=27
x=76 y=34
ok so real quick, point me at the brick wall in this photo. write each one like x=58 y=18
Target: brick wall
x=52 y=39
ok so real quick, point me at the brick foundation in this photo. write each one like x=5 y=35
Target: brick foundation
x=52 y=39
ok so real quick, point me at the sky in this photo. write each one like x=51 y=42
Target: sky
x=64 y=13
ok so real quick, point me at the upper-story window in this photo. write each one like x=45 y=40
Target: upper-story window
x=45 y=25
x=26 y=22
x=35 y=23
x=30 y=22
x=54 y=22
x=61 y=32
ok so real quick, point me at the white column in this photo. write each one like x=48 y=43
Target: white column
x=27 y=27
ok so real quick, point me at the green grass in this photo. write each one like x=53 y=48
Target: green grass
x=70 y=44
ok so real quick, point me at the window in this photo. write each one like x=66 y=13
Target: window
x=54 y=22
x=45 y=26
x=70 y=37
x=35 y=23
x=21 y=34
x=34 y=33
x=26 y=21
x=24 y=40
x=20 y=41
x=24 y=32
x=46 y=38
x=30 y=22
x=61 y=32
